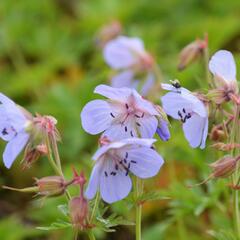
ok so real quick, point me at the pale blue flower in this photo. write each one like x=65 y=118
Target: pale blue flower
x=115 y=161
x=181 y=104
x=123 y=115
x=129 y=58
x=12 y=129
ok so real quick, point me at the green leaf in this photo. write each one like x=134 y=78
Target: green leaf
x=63 y=208
x=60 y=224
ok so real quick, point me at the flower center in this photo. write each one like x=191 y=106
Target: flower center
x=184 y=115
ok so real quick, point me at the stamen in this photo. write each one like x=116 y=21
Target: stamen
x=125 y=161
x=128 y=166
x=180 y=114
x=138 y=124
x=126 y=155
x=126 y=105
x=127 y=171
x=131 y=133
x=142 y=115
x=4 y=131
x=137 y=116
x=132 y=161
x=105 y=173
x=112 y=115
x=113 y=173
x=116 y=167
x=184 y=110
x=125 y=128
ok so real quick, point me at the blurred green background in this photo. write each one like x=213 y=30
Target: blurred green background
x=50 y=64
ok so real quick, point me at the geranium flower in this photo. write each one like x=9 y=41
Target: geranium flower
x=114 y=162
x=223 y=67
x=125 y=114
x=129 y=57
x=13 y=123
x=182 y=105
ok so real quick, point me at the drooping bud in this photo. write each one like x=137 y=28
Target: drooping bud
x=163 y=130
x=51 y=186
x=32 y=154
x=224 y=167
x=78 y=208
x=192 y=52
x=217 y=133
x=226 y=146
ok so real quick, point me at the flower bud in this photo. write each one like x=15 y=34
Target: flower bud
x=32 y=154
x=226 y=146
x=224 y=167
x=51 y=186
x=78 y=209
x=192 y=52
x=217 y=133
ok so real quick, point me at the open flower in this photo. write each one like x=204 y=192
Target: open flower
x=115 y=161
x=131 y=60
x=13 y=124
x=181 y=104
x=223 y=67
x=123 y=115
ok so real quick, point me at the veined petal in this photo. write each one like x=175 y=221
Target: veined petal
x=14 y=148
x=114 y=184
x=144 y=161
x=148 y=84
x=171 y=88
x=122 y=52
x=123 y=79
x=222 y=64
x=163 y=130
x=118 y=94
x=96 y=116
x=205 y=134
x=94 y=181
x=194 y=130
x=124 y=142
x=11 y=113
x=118 y=131
x=173 y=103
x=147 y=126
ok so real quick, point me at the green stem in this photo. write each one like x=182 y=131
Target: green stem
x=91 y=235
x=56 y=154
x=235 y=137
x=95 y=207
x=206 y=61
x=138 y=192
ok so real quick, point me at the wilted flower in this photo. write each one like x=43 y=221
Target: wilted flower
x=13 y=129
x=192 y=52
x=128 y=56
x=115 y=161
x=223 y=67
x=181 y=104
x=124 y=115
x=51 y=186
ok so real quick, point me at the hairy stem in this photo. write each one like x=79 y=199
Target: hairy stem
x=94 y=207
x=138 y=192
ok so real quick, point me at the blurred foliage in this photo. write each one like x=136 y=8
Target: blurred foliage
x=49 y=63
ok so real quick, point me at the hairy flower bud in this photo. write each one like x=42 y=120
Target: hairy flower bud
x=224 y=167
x=78 y=208
x=51 y=186
x=32 y=154
x=191 y=52
x=217 y=133
x=226 y=146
